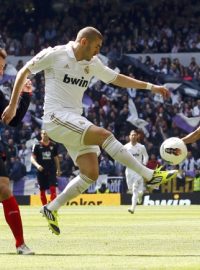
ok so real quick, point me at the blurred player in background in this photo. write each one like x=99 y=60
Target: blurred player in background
x=10 y=206
x=68 y=71
x=135 y=182
x=45 y=159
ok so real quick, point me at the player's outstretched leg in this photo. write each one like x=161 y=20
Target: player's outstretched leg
x=117 y=151
x=51 y=217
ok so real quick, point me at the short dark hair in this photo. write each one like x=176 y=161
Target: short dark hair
x=89 y=32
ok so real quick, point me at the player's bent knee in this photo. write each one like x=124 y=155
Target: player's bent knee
x=92 y=175
x=105 y=134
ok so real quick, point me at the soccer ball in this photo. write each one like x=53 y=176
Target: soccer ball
x=173 y=150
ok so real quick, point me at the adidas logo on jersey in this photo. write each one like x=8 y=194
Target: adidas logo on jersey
x=77 y=81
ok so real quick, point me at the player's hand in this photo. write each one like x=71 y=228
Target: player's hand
x=58 y=172
x=160 y=89
x=40 y=168
x=27 y=88
x=8 y=114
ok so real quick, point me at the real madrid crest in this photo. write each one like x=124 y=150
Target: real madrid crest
x=86 y=70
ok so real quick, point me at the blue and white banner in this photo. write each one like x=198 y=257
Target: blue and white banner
x=135 y=120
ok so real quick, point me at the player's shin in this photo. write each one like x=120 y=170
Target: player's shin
x=13 y=218
x=52 y=193
x=134 y=197
x=43 y=197
x=75 y=187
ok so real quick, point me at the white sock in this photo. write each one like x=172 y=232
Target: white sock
x=75 y=187
x=117 y=151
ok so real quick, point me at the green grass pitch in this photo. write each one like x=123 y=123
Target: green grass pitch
x=106 y=238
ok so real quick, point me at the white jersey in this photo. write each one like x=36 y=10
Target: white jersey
x=66 y=79
x=135 y=182
x=139 y=152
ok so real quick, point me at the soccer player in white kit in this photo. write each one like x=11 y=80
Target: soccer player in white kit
x=68 y=70
x=135 y=182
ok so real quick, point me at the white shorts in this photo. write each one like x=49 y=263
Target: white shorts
x=134 y=181
x=69 y=129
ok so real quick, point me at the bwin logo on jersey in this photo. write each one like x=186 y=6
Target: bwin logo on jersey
x=80 y=82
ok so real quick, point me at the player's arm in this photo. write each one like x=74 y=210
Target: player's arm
x=39 y=62
x=34 y=158
x=56 y=159
x=108 y=75
x=145 y=156
x=10 y=110
x=129 y=82
x=36 y=164
x=57 y=163
x=192 y=137
x=24 y=102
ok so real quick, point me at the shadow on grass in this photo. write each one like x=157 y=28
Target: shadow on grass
x=104 y=255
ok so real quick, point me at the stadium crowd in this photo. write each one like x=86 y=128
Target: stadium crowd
x=137 y=28
x=128 y=26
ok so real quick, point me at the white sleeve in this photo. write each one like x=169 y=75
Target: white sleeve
x=103 y=73
x=145 y=156
x=41 y=61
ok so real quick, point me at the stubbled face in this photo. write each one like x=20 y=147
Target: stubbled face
x=133 y=137
x=2 y=65
x=91 y=48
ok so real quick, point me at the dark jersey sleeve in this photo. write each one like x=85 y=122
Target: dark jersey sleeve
x=3 y=102
x=35 y=149
x=55 y=149
x=21 y=110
